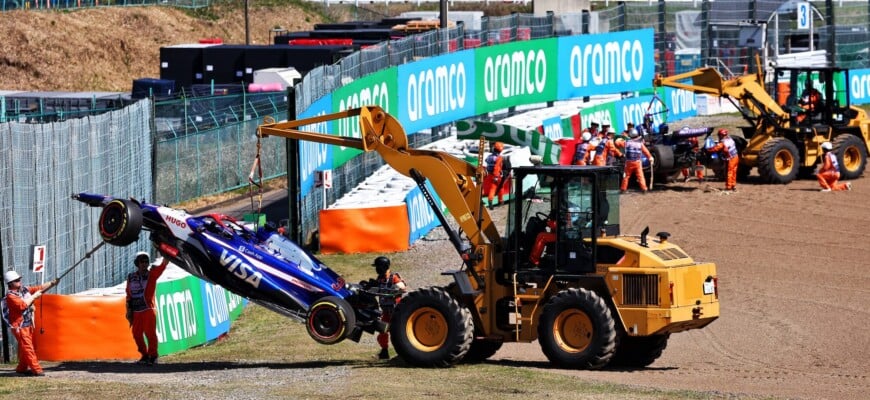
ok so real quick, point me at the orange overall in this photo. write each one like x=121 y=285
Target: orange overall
x=634 y=149
x=604 y=150
x=728 y=151
x=541 y=241
x=829 y=173
x=21 y=324
x=140 y=291
x=387 y=303
x=493 y=177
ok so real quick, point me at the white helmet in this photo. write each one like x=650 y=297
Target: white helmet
x=11 y=275
x=611 y=130
x=632 y=133
x=586 y=136
x=827 y=146
x=142 y=254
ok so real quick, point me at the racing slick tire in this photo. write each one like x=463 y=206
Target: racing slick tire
x=431 y=329
x=120 y=222
x=330 y=320
x=577 y=330
x=851 y=155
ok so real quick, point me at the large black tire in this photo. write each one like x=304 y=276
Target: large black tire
x=576 y=330
x=851 y=155
x=431 y=329
x=778 y=161
x=663 y=169
x=481 y=350
x=638 y=351
x=120 y=222
x=330 y=320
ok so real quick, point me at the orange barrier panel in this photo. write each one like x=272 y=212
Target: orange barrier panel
x=82 y=328
x=364 y=230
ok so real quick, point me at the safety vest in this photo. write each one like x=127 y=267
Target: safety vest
x=491 y=159
x=601 y=145
x=580 y=151
x=730 y=150
x=633 y=150
x=834 y=163
x=386 y=285
x=27 y=315
x=137 y=285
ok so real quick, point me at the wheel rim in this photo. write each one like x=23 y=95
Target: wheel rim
x=427 y=329
x=851 y=158
x=783 y=162
x=572 y=330
x=112 y=220
x=326 y=321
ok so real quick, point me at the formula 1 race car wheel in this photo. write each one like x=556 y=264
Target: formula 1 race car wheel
x=120 y=222
x=638 y=351
x=330 y=320
x=431 y=329
x=576 y=330
x=851 y=155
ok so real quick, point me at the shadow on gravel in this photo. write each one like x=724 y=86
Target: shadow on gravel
x=547 y=365
x=118 y=367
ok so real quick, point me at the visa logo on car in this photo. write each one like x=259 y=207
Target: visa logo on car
x=243 y=271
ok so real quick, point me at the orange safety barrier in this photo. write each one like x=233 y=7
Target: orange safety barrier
x=364 y=230
x=82 y=328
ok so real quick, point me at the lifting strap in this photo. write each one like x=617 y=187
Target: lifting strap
x=258 y=168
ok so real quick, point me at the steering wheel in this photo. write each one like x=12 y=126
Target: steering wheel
x=541 y=216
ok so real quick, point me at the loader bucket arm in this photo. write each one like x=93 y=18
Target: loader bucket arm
x=756 y=105
x=454 y=180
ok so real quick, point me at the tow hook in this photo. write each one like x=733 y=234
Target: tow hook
x=697 y=313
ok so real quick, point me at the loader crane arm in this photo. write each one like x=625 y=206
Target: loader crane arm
x=456 y=181
x=746 y=92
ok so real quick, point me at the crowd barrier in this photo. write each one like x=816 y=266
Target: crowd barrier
x=92 y=325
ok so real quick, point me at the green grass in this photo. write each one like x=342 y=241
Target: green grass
x=266 y=355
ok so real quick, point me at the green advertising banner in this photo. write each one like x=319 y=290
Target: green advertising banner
x=537 y=143
x=378 y=89
x=192 y=312
x=604 y=114
x=515 y=73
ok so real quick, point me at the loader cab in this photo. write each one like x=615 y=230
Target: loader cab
x=558 y=215
x=793 y=87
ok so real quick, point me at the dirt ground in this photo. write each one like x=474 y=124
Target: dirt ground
x=791 y=260
x=793 y=290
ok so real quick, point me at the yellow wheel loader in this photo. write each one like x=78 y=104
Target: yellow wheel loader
x=561 y=272
x=787 y=128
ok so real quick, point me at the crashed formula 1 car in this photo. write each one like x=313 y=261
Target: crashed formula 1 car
x=260 y=265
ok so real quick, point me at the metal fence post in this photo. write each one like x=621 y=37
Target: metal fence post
x=706 y=33
x=832 y=27
x=622 y=23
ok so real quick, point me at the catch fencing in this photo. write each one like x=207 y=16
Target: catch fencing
x=43 y=165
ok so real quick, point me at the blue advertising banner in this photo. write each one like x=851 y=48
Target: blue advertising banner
x=608 y=63
x=859 y=86
x=314 y=156
x=681 y=104
x=220 y=308
x=435 y=90
x=553 y=128
x=421 y=218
